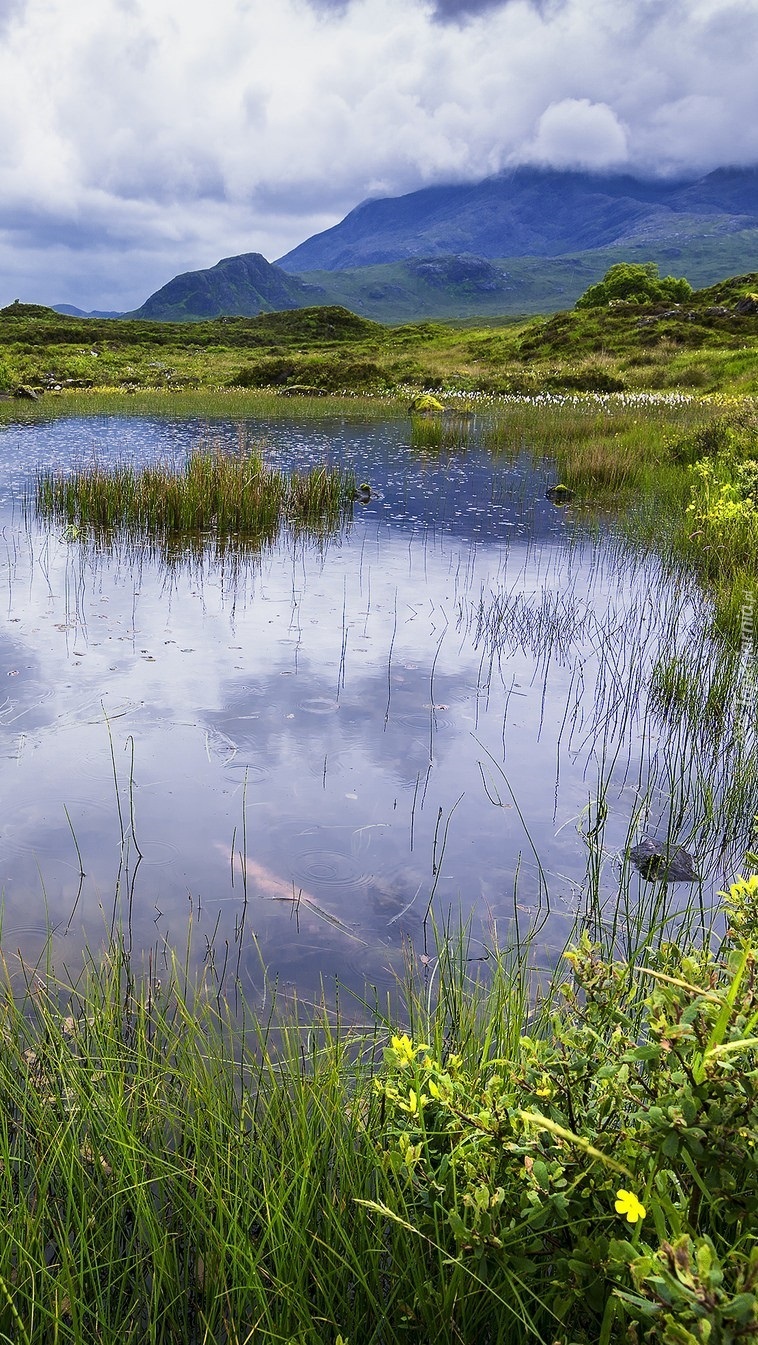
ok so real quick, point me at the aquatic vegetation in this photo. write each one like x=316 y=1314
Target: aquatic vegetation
x=216 y=494
x=445 y=428
x=505 y=1152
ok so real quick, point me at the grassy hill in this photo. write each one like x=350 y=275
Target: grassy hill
x=516 y=286
x=708 y=343
x=245 y=286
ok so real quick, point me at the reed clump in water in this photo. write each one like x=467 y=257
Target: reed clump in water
x=446 y=429
x=214 y=494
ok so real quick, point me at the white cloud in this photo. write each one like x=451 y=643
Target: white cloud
x=146 y=137
x=576 y=133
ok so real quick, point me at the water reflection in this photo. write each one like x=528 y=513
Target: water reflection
x=297 y=751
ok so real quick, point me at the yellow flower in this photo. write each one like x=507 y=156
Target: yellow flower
x=403 y=1048
x=628 y=1204
x=416 y=1102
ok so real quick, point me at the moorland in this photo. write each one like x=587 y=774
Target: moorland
x=705 y=344
x=504 y=1153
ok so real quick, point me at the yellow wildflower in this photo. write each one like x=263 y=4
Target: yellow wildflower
x=416 y=1102
x=628 y=1204
x=403 y=1048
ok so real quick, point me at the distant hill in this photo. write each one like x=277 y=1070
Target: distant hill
x=443 y=287
x=531 y=212
x=70 y=311
x=243 y=286
x=470 y=287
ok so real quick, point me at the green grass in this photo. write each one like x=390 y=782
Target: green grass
x=674 y=471
x=216 y=495
x=173 y=1170
x=329 y=350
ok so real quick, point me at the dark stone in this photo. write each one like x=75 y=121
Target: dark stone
x=24 y=391
x=747 y=305
x=559 y=494
x=657 y=863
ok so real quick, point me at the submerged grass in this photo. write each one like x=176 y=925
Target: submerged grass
x=215 y=494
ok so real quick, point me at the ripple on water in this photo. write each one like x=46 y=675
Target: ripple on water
x=319 y=705
x=254 y=770
x=328 y=870
x=158 y=852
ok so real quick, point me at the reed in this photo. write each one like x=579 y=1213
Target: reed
x=677 y=471
x=215 y=495
x=432 y=431
x=206 y=403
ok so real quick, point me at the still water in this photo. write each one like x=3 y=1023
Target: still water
x=304 y=753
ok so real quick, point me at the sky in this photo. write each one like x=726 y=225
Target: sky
x=143 y=138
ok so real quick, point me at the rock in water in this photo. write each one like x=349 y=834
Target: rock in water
x=559 y=494
x=658 y=863
x=425 y=405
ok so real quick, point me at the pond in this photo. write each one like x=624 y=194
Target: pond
x=303 y=759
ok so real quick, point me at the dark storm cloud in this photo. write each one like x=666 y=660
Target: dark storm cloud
x=455 y=10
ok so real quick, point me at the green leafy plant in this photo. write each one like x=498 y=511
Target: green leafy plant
x=635 y=283
x=632 y=1101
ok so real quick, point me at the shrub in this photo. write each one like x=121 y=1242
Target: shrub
x=632 y=283
x=628 y=1112
x=324 y=374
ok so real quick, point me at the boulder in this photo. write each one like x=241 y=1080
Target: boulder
x=24 y=391
x=425 y=405
x=659 y=863
x=559 y=494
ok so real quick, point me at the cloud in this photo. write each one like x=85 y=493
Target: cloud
x=457 y=10
x=576 y=133
x=164 y=137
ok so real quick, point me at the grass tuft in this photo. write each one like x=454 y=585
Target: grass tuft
x=215 y=495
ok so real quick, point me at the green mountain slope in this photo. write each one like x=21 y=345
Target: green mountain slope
x=244 y=286
x=515 y=286
x=438 y=287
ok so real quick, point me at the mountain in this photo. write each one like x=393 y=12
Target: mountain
x=244 y=286
x=532 y=212
x=69 y=311
x=461 y=287
x=527 y=242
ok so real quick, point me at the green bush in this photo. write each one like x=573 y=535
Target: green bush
x=605 y=1173
x=323 y=374
x=633 y=283
x=733 y=437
